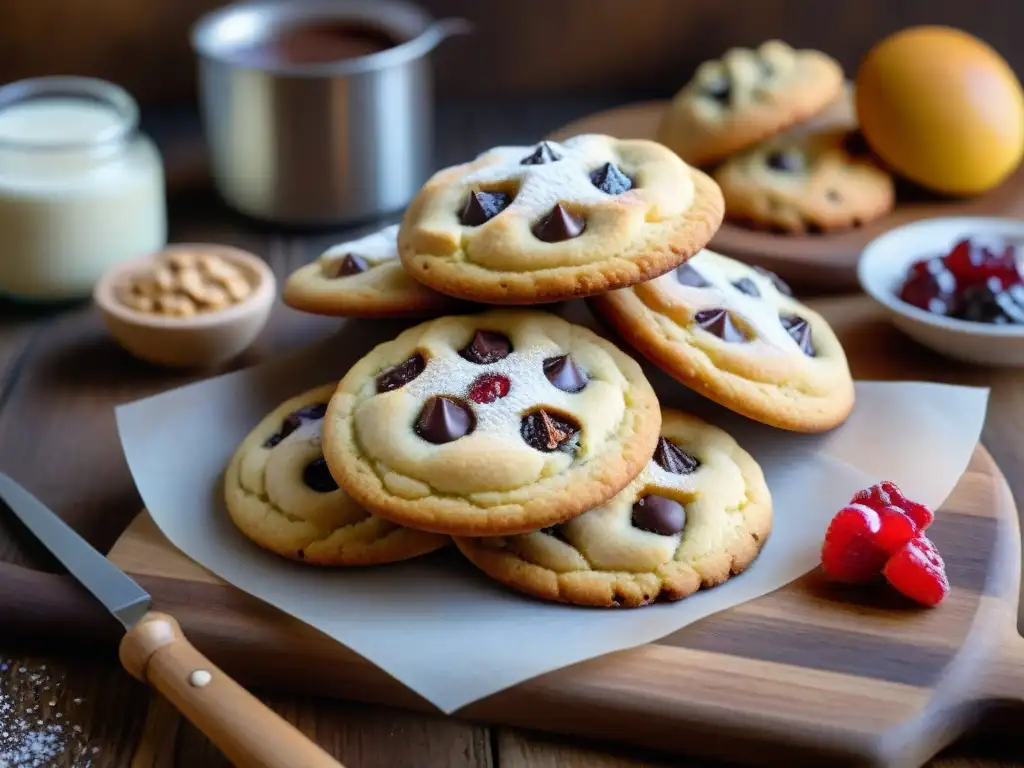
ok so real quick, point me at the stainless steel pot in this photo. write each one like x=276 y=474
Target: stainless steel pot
x=318 y=143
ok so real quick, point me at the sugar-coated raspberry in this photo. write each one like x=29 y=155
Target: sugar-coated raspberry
x=918 y=572
x=888 y=494
x=489 y=387
x=850 y=554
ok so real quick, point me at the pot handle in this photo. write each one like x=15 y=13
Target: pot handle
x=442 y=29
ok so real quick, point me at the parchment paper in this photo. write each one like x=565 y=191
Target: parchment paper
x=439 y=626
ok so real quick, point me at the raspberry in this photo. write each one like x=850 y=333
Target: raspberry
x=888 y=494
x=849 y=553
x=489 y=387
x=918 y=572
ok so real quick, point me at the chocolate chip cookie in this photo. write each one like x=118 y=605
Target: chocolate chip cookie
x=490 y=424
x=528 y=225
x=698 y=513
x=281 y=495
x=363 y=278
x=745 y=97
x=736 y=335
x=806 y=184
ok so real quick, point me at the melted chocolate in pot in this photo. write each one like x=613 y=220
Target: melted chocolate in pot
x=317 y=42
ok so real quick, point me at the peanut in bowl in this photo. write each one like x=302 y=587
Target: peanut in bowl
x=189 y=305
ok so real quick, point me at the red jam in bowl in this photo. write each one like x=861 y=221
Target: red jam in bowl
x=978 y=280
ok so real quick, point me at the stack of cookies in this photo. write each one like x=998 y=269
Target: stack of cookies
x=775 y=127
x=537 y=446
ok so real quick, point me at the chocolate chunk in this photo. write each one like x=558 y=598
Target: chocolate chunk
x=719 y=89
x=317 y=476
x=766 y=67
x=563 y=374
x=747 y=286
x=786 y=161
x=482 y=207
x=487 y=347
x=833 y=197
x=674 y=459
x=719 y=322
x=688 y=275
x=352 y=264
x=296 y=419
x=401 y=374
x=559 y=225
x=548 y=432
x=658 y=514
x=443 y=420
x=610 y=180
x=541 y=155
x=780 y=285
x=800 y=330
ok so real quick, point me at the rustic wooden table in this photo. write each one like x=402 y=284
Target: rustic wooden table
x=60 y=375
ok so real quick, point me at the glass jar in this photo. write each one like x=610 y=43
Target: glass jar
x=80 y=187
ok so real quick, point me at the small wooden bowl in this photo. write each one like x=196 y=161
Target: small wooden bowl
x=205 y=339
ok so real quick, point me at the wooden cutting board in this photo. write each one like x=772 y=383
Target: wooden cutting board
x=811 y=674
x=825 y=262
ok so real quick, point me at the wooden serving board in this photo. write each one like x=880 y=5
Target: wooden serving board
x=812 y=674
x=825 y=262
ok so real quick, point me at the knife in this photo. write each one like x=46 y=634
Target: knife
x=155 y=651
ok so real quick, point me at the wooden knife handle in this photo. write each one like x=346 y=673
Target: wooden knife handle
x=248 y=733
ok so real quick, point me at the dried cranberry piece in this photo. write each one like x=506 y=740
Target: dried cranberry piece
x=931 y=287
x=489 y=387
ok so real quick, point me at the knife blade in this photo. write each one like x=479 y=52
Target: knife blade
x=125 y=599
x=155 y=651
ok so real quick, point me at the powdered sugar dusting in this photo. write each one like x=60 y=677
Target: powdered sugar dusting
x=541 y=187
x=34 y=733
x=762 y=313
x=375 y=248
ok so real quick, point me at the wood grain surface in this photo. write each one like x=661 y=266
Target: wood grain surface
x=60 y=375
x=822 y=262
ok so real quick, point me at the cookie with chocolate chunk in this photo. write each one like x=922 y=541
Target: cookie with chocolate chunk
x=363 y=278
x=746 y=97
x=281 y=495
x=528 y=225
x=697 y=514
x=807 y=183
x=735 y=334
x=490 y=424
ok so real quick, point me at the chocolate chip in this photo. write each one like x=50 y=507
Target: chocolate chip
x=688 y=275
x=658 y=514
x=296 y=419
x=401 y=374
x=719 y=322
x=443 y=420
x=563 y=374
x=541 y=155
x=800 y=330
x=549 y=432
x=559 y=225
x=674 y=459
x=780 y=285
x=747 y=286
x=487 y=347
x=719 y=89
x=482 y=207
x=833 y=197
x=766 y=67
x=350 y=265
x=317 y=476
x=786 y=161
x=610 y=180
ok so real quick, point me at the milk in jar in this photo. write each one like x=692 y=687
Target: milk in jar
x=80 y=187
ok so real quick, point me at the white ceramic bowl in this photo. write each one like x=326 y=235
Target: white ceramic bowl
x=883 y=266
